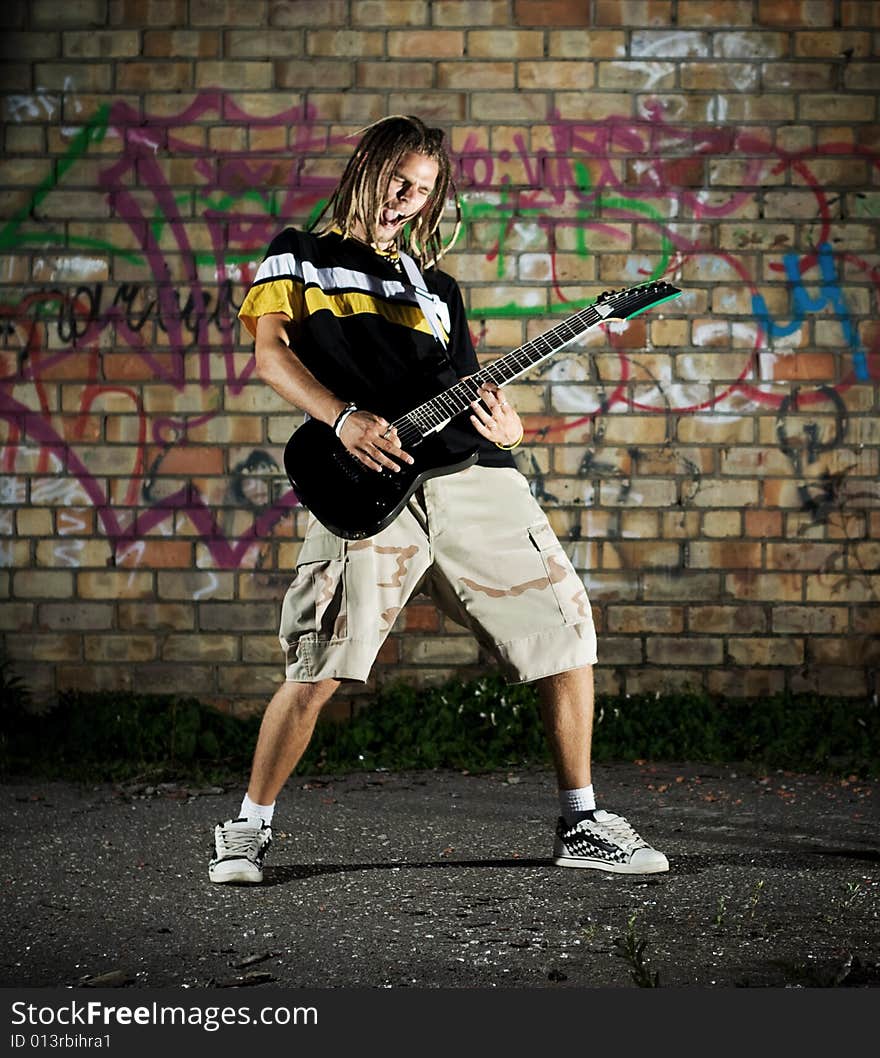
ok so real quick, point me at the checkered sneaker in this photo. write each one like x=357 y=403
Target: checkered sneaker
x=605 y=842
x=239 y=848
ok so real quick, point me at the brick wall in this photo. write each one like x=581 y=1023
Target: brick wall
x=712 y=466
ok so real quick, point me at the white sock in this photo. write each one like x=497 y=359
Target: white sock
x=575 y=805
x=251 y=810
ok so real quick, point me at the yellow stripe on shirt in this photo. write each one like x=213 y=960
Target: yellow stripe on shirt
x=353 y=303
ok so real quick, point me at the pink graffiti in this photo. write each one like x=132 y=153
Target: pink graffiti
x=594 y=179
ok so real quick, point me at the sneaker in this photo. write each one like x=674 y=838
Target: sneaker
x=239 y=848
x=605 y=842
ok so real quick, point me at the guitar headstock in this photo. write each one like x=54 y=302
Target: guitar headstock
x=624 y=304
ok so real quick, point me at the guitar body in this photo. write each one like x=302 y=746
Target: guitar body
x=348 y=498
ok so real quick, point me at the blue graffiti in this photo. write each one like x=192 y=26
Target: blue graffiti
x=801 y=304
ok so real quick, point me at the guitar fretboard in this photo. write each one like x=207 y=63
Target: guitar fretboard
x=435 y=413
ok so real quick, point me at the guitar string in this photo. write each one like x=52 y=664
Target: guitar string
x=416 y=424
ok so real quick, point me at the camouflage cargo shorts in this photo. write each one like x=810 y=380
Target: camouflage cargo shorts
x=479 y=545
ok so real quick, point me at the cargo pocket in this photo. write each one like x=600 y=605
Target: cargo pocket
x=567 y=587
x=315 y=606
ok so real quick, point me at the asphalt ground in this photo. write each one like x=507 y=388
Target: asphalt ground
x=443 y=881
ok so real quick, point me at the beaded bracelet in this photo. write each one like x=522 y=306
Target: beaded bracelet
x=510 y=448
x=349 y=409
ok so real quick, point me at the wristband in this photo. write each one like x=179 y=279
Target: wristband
x=510 y=448
x=349 y=409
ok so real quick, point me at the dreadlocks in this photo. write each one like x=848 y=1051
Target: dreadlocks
x=361 y=191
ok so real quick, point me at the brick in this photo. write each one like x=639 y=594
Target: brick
x=114 y=584
x=751 y=651
x=86 y=77
x=246 y=76
x=156 y=76
x=795 y=13
x=308 y=13
x=632 y=13
x=509 y=43
x=34 y=522
x=632 y=75
x=466 y=13
x=640 y=525
x=860 y=76
x=746 y=683
x=120 y=648
x=140 y=13
x=16 y=616
x=382 y=74
x=103 y=44
x=727 y=76
x=653 y=619
x=680 y=586
x=726 y=494
x=852 y=651
x=258 y=44
x=439 y=650
x=176 y=678
x=820 y=106
x=252 y=616
x=810 y=620
x=676 y=652
x=588 y=44
x=58 y=14
x=751 y=45
x=765 y=587
x=865 y=621
x=727 y=554
x=642 y=554
x=831 y=44
x=798 y=76
x=507 y=106
x=723 y=524
x=374 y=13
x=720 y=619
x=551 y=12
x=805 y=555
x=424 y=44
x=155 y=617
x=261 y=650
x=189 y=43
x=709 y=428
x=44 y=648
x=72 y=552
x=476 y=76
x=30 y=46
x=714 y=12
x=817 y=680
x=42 y=584
x=195 y=647
x=666 y=44
x=226 y=13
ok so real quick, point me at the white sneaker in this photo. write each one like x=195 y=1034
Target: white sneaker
x=239 y=848
x=605 y=842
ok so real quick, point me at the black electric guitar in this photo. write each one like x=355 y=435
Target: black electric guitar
x=354 y=501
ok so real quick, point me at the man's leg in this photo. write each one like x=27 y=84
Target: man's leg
x=586 y=836
x=240 y=844
x=566 y=701
x=285 y=733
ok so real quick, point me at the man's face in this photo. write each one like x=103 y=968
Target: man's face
x=409 y=190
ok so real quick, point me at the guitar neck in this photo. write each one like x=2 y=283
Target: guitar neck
x=435 y=413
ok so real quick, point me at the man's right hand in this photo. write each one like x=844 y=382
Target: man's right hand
x=374 y=441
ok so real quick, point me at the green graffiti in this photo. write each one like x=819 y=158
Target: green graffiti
x=11 y=235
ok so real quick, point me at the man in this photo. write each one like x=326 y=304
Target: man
x=342 y=334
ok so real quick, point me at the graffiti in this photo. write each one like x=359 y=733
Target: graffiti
x=185 y=229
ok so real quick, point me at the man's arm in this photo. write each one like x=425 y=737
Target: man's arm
x=367 y=436
x=282 y=369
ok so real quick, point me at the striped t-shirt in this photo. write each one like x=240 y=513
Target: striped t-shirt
x=357 y=325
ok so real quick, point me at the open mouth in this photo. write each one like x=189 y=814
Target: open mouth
x=390 y=218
